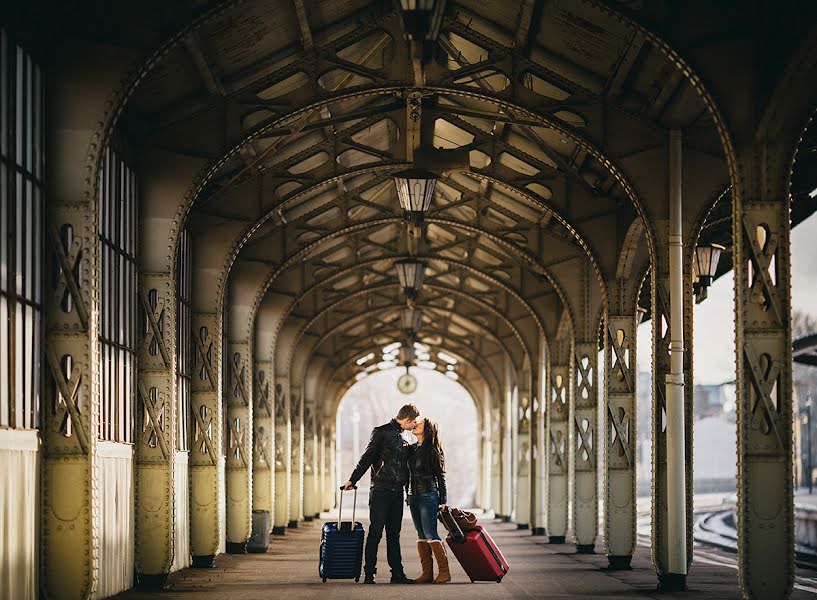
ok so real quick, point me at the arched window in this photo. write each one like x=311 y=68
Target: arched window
x=118 y=293
x=21 y=243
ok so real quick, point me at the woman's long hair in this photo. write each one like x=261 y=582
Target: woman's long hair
x=431 y=441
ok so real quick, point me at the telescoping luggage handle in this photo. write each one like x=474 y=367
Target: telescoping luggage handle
x=354 y=506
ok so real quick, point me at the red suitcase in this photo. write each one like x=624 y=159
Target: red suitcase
x=479 y=556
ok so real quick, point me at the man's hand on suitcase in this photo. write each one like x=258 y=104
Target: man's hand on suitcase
x=348 y=486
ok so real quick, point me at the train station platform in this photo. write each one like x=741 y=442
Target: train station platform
x=289 y=571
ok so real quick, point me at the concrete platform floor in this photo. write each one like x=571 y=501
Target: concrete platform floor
x=289 y=571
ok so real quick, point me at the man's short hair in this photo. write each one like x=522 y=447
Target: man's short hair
x=408 y=411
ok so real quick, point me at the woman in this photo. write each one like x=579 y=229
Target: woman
x=427 y=496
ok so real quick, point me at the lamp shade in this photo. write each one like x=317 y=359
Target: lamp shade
x=411 y=318
x=415 y=188
x=407 y=355
x=706 y=262
x=410 y=272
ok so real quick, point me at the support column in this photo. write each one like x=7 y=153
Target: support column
x=263 y=427
x=311 y=465
x=71 y=409
x=540 y=497
x=558 y=448
x=283 y=441
x=496 y=461
x=762 y=255
x=585 y=470
x=524 y=455
x=620 y=480
x=206 y=464
x=328 y=487
x=296 y=490
x=508 y=454
x=238 y=398
x=155 y=433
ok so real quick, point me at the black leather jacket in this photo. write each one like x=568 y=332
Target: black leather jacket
x=386 y=454
x=424 y=475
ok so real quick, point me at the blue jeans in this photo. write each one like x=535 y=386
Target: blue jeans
x=424 y=508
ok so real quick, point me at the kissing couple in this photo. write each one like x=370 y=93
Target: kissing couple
x=419 y=470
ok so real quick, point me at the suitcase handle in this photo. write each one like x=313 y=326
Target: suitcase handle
x=354 y=506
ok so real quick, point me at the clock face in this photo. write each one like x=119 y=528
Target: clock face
x=407 y=383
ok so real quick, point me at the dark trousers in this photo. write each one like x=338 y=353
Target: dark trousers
x=385 y=511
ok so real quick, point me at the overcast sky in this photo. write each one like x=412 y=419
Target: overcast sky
x=714 y=317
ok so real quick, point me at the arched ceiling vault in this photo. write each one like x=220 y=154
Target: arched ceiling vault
x=551 y=119
x=300 y=128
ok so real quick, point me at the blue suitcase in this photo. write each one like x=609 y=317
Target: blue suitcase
x=341 y=555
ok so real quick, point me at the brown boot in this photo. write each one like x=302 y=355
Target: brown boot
x=426 y=563
x=438 y=549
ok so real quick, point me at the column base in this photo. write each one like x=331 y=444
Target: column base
x=279 y=530
x=672 y=582
x=522 y=526
x=537 y=531
x=498 y=517
x=506 y=518
x=316 y=516
x=620 y=562
x=292 y=525
x=256 y=549
x=236 y=547
x=585 y=548
x=151 y=581
x=556 y=539
x=207 y=561
x=308 y=519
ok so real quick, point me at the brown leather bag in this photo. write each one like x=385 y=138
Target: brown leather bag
x=446 y=517
x=466 y=520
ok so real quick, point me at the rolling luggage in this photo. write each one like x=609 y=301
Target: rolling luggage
x=341 y=553
x=479 y=556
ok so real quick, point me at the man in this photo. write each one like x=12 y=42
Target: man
x=386 y=454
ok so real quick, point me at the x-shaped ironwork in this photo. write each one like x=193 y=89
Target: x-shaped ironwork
x=619 y=359
x=154 y=425
x=280 y=402
x=261 y=440
x=557 y=447
x=621 y=428
x=764 y=380
x=68 y=259
x=154 y=309
x=584 y=369
x=204 y=352
x=68 y=389
x=762 y=252
x=237 y=372
x=237 y=437
x=586 y=440
x=203 y=431
x=262 y=389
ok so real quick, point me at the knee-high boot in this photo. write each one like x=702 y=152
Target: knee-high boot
x=444 y=574
x=426 y=562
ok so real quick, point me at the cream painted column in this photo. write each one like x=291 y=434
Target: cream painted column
x=585 y=470
x=71 y=409
x=206 y=465
x=282 y=450
x=558 y=449
x=524 y=467
x=540 y=496
x=620 y=439
x=263 y=438
x=155 y=437
x=496 y=461
x=328 y=489
x=312 y=472
x=238 y=400
x=296 y=490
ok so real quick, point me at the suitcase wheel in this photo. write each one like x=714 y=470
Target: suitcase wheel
x=499 y=579
x=324 y=579
x=472 y=581
x=357 y=579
